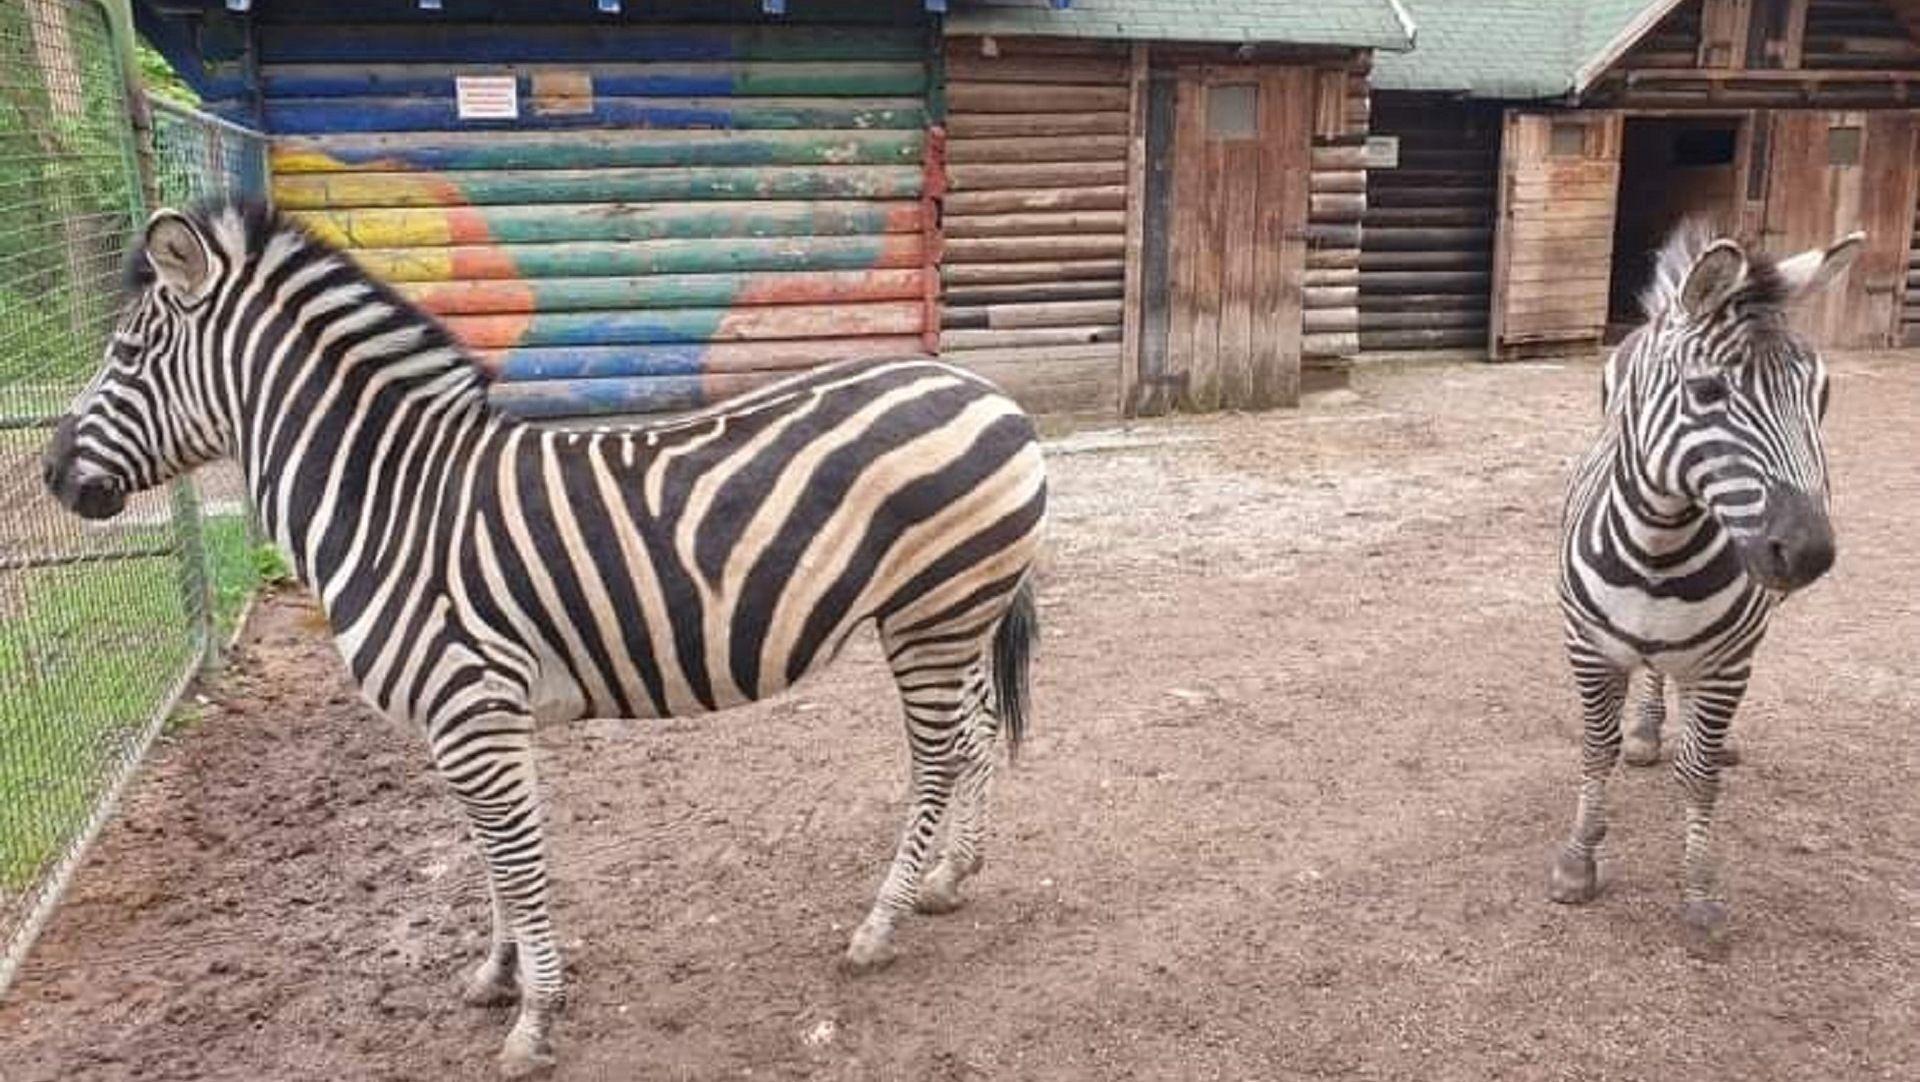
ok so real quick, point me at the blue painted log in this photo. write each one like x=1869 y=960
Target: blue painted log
x=313 y=116
x=465 y=151
x=719 y=79
x=488 y=44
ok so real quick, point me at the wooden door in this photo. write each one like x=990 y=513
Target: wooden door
x=1238 y=154
x=1830 y=173
x=1553 y=244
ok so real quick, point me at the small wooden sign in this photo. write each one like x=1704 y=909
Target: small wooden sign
x=562 y=93
x=486 y=97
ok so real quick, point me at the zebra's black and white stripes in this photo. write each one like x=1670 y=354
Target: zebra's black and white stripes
x=1702 y=504
x=480 y=574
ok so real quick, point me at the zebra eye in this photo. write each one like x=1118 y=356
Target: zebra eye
x=1707 y=391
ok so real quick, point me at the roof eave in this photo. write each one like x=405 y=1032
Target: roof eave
x=1595 y=66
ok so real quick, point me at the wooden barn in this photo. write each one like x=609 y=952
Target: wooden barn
x=648 y=205
x=1546 y=148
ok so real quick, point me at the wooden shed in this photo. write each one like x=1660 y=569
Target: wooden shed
x=649 y=205
x=1546 y=149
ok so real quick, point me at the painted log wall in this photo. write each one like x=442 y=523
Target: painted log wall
x=1336 y=211
x=1035 y=216
x=677 y=214
x=1426 y=259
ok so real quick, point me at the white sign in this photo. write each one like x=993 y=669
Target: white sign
x=487 y=97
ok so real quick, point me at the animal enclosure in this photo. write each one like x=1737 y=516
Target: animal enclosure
x=1286 y=810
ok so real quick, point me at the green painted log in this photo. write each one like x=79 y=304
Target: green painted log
x=457 y=151
x=440 y=226
x=318 y=191
x=624 y=259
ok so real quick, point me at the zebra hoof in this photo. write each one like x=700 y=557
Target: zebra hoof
x=486 y=989
x=1640 y=752
x=525 y=1056
x=940 y=891
x=1574 y=879
x=1730 y=755
x=1707 y=927
x=870 y=952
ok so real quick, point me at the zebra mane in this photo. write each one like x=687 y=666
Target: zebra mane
x=1764 y=288
x=260 y=223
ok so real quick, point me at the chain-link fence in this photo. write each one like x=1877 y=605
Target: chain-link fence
x=101 y=625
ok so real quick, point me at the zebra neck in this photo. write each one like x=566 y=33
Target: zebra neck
x=350 y=464
x=1653 y=522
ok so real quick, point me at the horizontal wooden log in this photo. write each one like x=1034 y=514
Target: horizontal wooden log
x=667 y=325
x=1045 y=382
x=1330 y=344
x=1342 y=180
x=997 y=177
x=959 y=296
x=686 y=358
x=1347 y=158
x=624 y=259
x=1479 y=257
x=440 y=226
x=992 y=125
x=1394 y=321
x=330 y=39
x=1475 y=300
x=1330 y=296
x=692 y=79
x=1427 y=238
x=1028 y=225
x=1397 y=217
x=1382 y=195
x=1053 y=314
x=318 y=191
x=1330 y=277
x=972 y=97
x=1383 y=282
x=1329 y=320
x=970 y=67
x=1028 y=336
x=1333 y=235
x=1332 y=258
x=1050 y=47
x=466 y=151
x=1036 y=200
x=1428 y=338
x=310 y=116
x=527 y=295
x=1336 y=206
x=1038 y=148
x=1037 y=248
x=1071 y=270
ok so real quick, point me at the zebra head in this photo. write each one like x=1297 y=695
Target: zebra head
x=150 y=414
x=1732 y=398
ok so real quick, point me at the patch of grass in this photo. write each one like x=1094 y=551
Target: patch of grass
x=85 y=660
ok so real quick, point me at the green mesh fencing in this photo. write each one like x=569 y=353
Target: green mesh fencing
x=101 y=624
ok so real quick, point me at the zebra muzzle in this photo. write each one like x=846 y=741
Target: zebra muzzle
x=89 y=495
x=1795 y=547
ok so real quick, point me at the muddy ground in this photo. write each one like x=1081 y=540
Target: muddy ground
x=1304 y=744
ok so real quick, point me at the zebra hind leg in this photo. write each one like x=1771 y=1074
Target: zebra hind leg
x=1575 y=878
x=485 y=752
x=496 y=982
x=962 y=854
x=1641 y=745
x=1708 y=706
x=938 y=672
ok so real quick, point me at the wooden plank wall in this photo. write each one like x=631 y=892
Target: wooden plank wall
x=1553 y=255
x=1337 y=207
x=678 y=214
x=1035 y=216
x=1426 y=257
x=1854 y=34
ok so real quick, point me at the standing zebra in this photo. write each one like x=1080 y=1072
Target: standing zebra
x=1702 y=505
x=481 y=573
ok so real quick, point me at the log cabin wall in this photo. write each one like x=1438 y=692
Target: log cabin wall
x=674 y=213
x=1426 y=258
x=1336 y=212
x=1910 y=307
x=1035 y=216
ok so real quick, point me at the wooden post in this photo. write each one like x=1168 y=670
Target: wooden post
x=1136 y=209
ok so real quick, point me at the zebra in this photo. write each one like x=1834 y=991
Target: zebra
x=481 y=573
x=1701 y=506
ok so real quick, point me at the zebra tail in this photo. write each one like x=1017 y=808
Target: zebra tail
x=1012 y=653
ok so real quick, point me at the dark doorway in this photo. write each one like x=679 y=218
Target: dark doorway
x=1671 y=169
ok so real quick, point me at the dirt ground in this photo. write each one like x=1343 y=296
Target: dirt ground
x=1304 y=744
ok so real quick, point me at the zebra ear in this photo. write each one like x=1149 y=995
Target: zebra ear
x=180 y=255
x=1812 y=271
x=1717 y=273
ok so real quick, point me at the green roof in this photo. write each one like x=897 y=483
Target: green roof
x=1515 y=48
x=1377 y=24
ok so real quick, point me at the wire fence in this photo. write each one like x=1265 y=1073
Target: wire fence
x=101 y=625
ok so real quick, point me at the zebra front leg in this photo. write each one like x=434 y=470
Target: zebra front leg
x=1575 y=878
x=935 y=688
x=967 y=821
x=1708 y=706
x=1641 y=745
x=496 y=982
x=486 y=755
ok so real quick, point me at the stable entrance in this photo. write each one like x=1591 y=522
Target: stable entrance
x=1671 y=169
